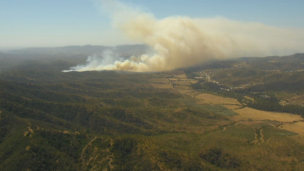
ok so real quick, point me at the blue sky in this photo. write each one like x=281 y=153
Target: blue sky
x=36 y=23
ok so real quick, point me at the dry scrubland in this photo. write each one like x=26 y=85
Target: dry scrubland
x=160 y=83
x=263 y=115
x=150 y=121
x=286 y=121
x=156 y=121
x=213 y=99
x=297 y=127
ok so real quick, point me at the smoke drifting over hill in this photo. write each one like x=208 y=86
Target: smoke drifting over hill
x=181 y=41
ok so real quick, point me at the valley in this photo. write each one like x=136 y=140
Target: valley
x=112 y=120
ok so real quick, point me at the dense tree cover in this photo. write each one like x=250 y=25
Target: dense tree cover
x=123 y=149
x=288 y=85
x=209 y=86
x=220 y=159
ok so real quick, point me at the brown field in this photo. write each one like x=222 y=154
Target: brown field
x=232 y=107
x=193 y=81
x=174 y=79
x=213 y=99
x=174 y=72
x=263 y=115
x=181 y=76
x=161 y=85
x=297 y=127
x=159 y=80
x=252 y=123
x=249 y=98
x=188 y=92
x=182 y=87
x=182 y=83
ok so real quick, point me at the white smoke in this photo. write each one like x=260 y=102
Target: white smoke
x=182 y=41
x=96 y=62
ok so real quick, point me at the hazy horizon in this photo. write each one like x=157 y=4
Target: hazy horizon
x=81 y=22
x=29 y=47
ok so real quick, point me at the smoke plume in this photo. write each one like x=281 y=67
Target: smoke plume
x=182 y=41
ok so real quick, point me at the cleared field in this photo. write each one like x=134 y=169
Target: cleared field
x=174 y=72
x=297 y=127
x=249 y=98
x=165 y=86
x=213 y=99
x=233 y=106
x=263 y=115
x=160 y=83
x=219 y=109
x=159 y=80
x=182 y=87
x=181 y=76
x=182 y=83
x=187 y=91
x=173 y=79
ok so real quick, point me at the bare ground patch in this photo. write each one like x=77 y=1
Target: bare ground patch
x=297 y=127
x=264 y=115
x=213 y=99
x=233 y=106
x=165 y=86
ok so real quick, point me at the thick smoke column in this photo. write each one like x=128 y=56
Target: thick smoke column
x=183 y=41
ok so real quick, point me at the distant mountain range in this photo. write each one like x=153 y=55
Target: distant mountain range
x=71 y=54
x=86 y=50
x=78 y=54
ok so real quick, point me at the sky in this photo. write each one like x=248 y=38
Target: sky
x=53 y=23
